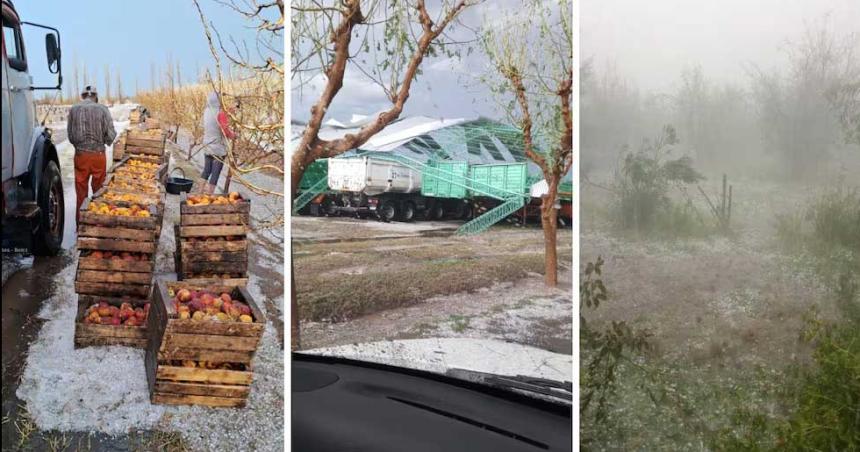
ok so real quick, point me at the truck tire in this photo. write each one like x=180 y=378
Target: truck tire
x=407 y=212
x=48 y=238
x=437 y=212
x=327 y=208
x=387 y=211
x=467 y=213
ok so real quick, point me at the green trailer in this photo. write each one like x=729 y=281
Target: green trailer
x=499 y=180
x=445 y=179
x=314 y=182
x=313 y=173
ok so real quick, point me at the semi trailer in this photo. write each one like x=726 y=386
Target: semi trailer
x=426 y=169
x=389 y=190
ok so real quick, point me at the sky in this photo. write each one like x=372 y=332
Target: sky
x=651 y=42
x=128 y=35
x=448 y=88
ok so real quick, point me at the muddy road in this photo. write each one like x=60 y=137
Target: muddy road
x=23 y=294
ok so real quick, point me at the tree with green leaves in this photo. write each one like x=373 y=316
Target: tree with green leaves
x=531 y=51
x=644 y=178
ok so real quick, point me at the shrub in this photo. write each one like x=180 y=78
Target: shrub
x=827 y=416
x=835 y=219
x=643 y=182
x=602 y=351
x=828 y=232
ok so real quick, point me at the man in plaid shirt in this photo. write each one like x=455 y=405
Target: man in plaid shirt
x=90 y=129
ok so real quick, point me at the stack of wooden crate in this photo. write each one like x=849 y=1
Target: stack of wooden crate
x=200 y=361
x=149 y=142
x=211 y=240
x=119 y=146
x=118 y=234
x=134 y=117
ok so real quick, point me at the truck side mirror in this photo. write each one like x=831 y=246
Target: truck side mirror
x=53 y=51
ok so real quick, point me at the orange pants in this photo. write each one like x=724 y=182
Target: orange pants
x=88 y=164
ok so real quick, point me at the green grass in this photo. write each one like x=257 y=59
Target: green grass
x=827 y=416
x=669 y=404
x=459 y=323
x=163 y=441
x=338 y=297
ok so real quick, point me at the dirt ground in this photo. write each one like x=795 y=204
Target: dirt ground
x=364 y=281
x=725 y=312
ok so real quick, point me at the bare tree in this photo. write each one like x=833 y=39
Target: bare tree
x=107 y=96
x=76 y=76
x=119 y=93
x=532 y=52
x=328 y=37
x=845 y=100
x=153 y=77
x=800 y=111
x=255 y=75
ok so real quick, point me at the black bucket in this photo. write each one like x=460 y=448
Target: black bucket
x=177 y=185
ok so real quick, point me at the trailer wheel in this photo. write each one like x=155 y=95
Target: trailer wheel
x=327 y=208
x=407 y=213
x=468 y=212
x=386 y=211
x=48 y=239
x=437 y=212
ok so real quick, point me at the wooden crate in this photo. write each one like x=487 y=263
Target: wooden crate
x=156 y=200
x=149 y=142
x=119 y=147
x=131 y=186
x=113 y=277
x=173 y=339
x=105 y=277
x=202 y=251
x=134 y=117
x=92 y=335
x=158 y=174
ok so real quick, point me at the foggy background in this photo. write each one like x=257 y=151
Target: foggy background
x=750 y=87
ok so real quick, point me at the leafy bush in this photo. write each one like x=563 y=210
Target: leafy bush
x=827 y=416
x=790 y=230
x=835 y=219
x=643 y=182
x=828 y=233
x=602 y=351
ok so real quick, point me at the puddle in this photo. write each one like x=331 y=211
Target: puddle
x=23 y=295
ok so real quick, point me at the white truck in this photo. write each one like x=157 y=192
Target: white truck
x=33 y=203
x=386 y=189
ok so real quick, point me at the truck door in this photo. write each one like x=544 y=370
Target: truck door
x=6 y=118
x=17 y=97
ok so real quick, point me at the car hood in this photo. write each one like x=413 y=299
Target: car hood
x=443 y=355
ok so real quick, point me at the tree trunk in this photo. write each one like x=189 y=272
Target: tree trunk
x=549 y=222
x=295 y=333
x=227 y=180
x=297 y=170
